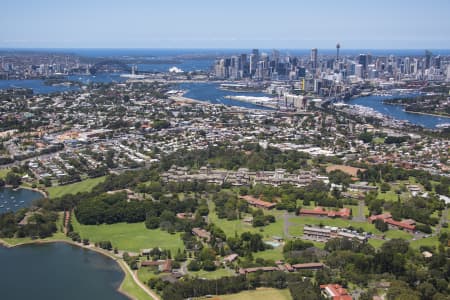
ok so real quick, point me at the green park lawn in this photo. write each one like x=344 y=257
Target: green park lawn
x=132 y=289
x=271 y=254
x=378 y=140
x=213 y=274
x=429 y=241
x=146 y=273
x=376 y=243
x=398 y=234
x=388 y=196
x=82 y=186
x=239 y=226
x=260 y=293
x=3 y=172
x=131 y=237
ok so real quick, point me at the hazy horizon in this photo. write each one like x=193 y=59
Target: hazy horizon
x=234 y=24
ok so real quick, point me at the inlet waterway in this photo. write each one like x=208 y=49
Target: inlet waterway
x=14 y=199
x=58 y=271
x=398 y=112
x=211 y=93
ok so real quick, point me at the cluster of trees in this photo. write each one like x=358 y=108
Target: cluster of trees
x=317 y=192
x=107 y=245
x=132 y=261
x=410 y=274
x=260 y=219
x=300 y=288
x=388 y=173
x=247 y=243
x=13 y=179
x=396 y=139
x=228 y=205
x=251 y=156
x=204 y=260
x=114 y=208
x=417 y=208
x=39 y=224
x=160 y=124
x=339 y=177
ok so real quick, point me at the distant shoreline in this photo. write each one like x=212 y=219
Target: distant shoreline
x=427 y=114
x=103 y=252
x=416 y=112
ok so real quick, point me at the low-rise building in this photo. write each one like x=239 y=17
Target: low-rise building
x=319 y=211
x=258 y=202
x=407 y=224
x=335 y=292
x=326 y=233
x=201 y=233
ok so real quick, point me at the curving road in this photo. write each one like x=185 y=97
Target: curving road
x=144 y=287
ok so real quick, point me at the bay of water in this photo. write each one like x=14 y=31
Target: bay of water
x=398 y=112
x=37 y=85
x=13 y=200
x=58 y=271
x=210 y=92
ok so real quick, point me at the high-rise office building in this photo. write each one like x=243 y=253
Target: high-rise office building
x=364 y=62
x=437 y=62
x=255 y=52
x=314 y=59
x=406 y=65
x=428 y=55
x=338 y=47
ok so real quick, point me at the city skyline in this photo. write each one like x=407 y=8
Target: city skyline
x=174 y=24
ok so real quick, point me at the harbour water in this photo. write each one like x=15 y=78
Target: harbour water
x=58 y=271
x=211 y=93
x=12 y=200
x=37 y=85
x=398 y=112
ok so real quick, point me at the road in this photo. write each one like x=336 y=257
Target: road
x=145 y=288
x=286 y=225
x=360 y=217
x=441 y=221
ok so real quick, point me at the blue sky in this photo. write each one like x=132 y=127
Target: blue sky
x=356 y=24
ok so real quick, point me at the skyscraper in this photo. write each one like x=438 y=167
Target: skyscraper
x=338 y=46
x=364 y=62
x=314 y=59
x=407 y=65
x=255 y=52
x=428 y=59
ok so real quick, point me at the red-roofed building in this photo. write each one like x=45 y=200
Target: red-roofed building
x=308 y=266
x=163 y=265
x=201 y=233
x=408 y=224
x=400 y=224
x=380 y=217
x=335 y=292
x=319 y=211
x=258 y=202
